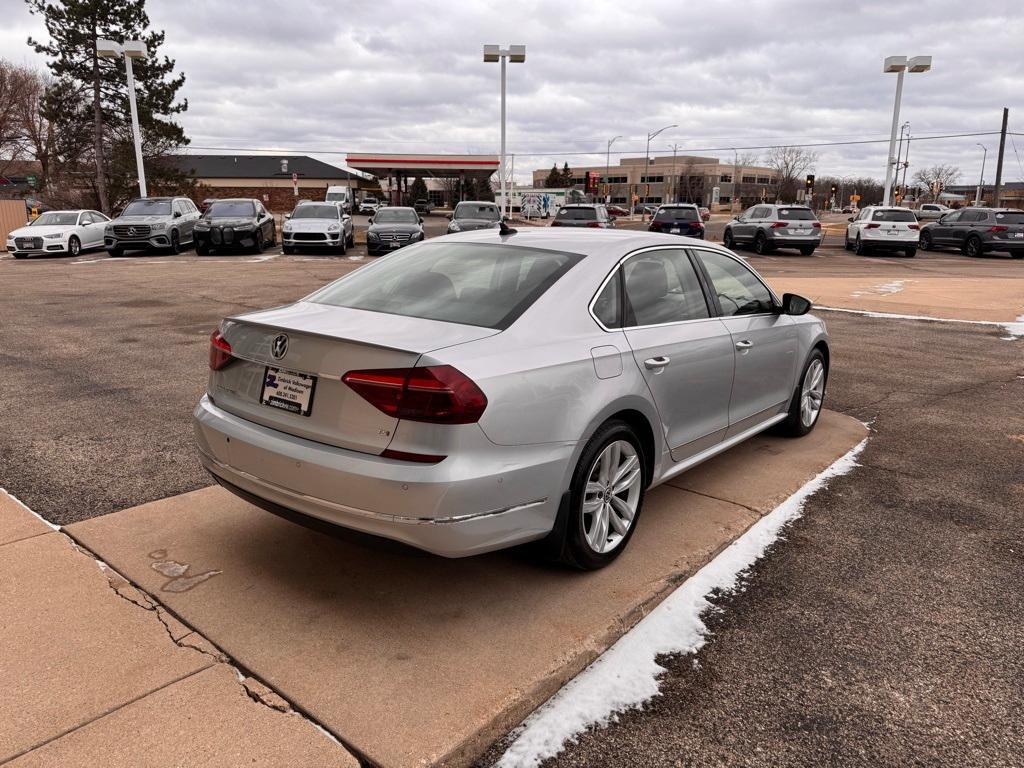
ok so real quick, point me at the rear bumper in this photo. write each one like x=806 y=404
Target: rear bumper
x=1006 y=246
x=465 y=505
x=786 y=241
x=890 y=243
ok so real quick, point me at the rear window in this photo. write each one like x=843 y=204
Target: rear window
x=576 y=214
x=893 y=215
x=474 y=211
x=468 y=283
x=795 y=214
x=1010 y=217
x=677 y=214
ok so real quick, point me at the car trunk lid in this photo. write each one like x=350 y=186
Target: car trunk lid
x=295 y=386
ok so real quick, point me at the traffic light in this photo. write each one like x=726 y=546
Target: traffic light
x=810 y=182
x=833 y=190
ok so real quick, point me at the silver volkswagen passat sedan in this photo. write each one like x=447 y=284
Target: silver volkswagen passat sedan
x=497 y=387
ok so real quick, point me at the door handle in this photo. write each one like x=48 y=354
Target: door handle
x=657 y=362
x=744 y=344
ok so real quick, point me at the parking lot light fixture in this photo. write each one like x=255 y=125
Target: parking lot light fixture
x=130 y=49
x=899 y=65
x=647 y=166
x=517 y=55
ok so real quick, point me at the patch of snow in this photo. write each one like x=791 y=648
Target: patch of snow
x=25 y=506
x=626 y=675
x=1014 y=329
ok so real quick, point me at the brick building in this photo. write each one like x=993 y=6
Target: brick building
x=264 y=177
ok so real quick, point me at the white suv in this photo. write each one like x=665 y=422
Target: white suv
x=883 y=228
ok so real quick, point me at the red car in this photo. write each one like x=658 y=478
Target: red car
x=616 y=210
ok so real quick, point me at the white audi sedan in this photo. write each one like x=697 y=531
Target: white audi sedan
x=60 y=232
x=496 y=387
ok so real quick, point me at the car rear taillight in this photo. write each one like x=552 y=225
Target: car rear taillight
x=872 y=226
x=438 y=394
x=220 y=351
x=816 y=225
x=913 y=226
x=778 y=224
x=998 y=228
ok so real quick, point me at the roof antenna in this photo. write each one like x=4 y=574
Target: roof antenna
x=505 y=229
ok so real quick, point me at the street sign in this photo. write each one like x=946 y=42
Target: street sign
x=31 y=181
x=854 y=198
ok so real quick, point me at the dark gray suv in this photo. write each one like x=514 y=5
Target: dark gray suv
x=977 y=231
x=152 y=223
x=769 y=226
x=580 y=215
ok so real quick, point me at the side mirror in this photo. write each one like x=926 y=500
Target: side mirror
x=177 y=214
x=287 y=216
x=449 y=216
x=504 y=218
x=420 y=218
x=613 y=218
x=370 y=220
x=794 y=304
x=346 y=216
x=850 y=218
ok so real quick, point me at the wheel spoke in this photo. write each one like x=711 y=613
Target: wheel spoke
x=620 y=525
x=622 y=508
x=591 y=506
x=593 y=488
x=626 y=468
x=625 y=483
x=605 y=470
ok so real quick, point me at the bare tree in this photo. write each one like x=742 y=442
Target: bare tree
x=16 y=84
x=789 y=164
x=936 y=178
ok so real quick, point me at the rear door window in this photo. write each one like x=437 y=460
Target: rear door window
x=677 y=214
x=662 y=287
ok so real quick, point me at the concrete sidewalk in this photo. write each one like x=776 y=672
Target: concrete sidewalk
x=94 y=673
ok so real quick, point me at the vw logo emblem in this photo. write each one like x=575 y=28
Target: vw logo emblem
x=131 y=231
x=279 y=346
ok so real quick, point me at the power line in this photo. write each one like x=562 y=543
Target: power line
x=570 y=153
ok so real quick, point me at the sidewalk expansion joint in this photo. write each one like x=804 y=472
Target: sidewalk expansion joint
x=254 y=688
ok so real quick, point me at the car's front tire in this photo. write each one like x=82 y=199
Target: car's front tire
x=808 y=398
x=115 y=253
x=74 y=246
x=202 y=249
x=288 y=250
x=728 y=240
x=605 y=498
x=175 y=242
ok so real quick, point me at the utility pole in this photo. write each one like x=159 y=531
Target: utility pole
x=675 y=179
x=906 y=163
x=735 y=204
x=981 y=179
x=607 y=170
x=999 y=162
x=899 y=155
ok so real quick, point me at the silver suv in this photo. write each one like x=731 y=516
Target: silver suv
x=152 y=223
x=769 y=226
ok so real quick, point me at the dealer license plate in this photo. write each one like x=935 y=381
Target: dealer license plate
x=1018 y=234
x=288 y=391
x=675 y=230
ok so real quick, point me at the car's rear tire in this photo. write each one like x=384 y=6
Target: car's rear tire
x=808 y=398
x=927 y=244
x=860 y=247
x=761 y=247
x=728 y=240
x=973 y=247
x=846 y=242
x=910 y=252
x=74 y=246
x=605 y=498
x=807 y=250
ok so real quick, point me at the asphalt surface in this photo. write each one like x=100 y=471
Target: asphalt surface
x=886 y=629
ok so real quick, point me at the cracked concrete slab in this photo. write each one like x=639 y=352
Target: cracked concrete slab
x=413 y=659
x=203 y=721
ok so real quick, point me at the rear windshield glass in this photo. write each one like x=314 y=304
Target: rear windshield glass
x=1010 y=217
x=467 y=283
x=473 y=211
x=148 y=208
x=893 y=215
x=577 y=214
x=315 y=212
x=798 y=214
x=231 y=209
x=396 y=216
x=677 y=214
x=336 y=196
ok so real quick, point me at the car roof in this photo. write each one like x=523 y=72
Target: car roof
x=581 y=205
x=401 y=208
x=478 y=202
x=678 y=205
x=601 y=244
x=230 y=200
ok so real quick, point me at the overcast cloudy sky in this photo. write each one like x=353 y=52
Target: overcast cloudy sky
x=320 y=76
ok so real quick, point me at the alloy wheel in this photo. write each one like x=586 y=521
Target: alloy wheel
x=74 y=247
x=612 y=495
x=812 y=392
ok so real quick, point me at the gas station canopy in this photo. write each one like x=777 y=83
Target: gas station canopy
x=480 y=167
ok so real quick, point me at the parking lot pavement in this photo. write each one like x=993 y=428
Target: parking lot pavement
x=886 y=628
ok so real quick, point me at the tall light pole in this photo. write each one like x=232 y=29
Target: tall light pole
x=735 y=204
x=647 y=166
x=981 y=180
x=675 y=187
x=130 y=49
x=899 y=155
x=517 y=55
x=900 y=65
x=607 y=170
